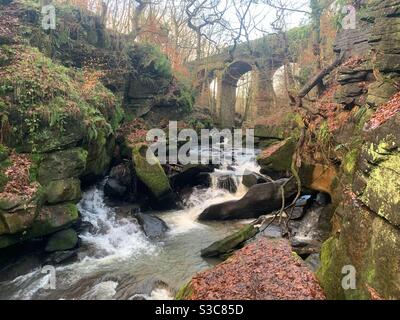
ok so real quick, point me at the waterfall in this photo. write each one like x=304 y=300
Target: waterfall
x=117 y=261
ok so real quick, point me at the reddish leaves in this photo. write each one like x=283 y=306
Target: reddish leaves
x=263 y=270
x=18 y=175
x=384 y=113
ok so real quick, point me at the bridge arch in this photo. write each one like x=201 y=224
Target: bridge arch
x=228 y=90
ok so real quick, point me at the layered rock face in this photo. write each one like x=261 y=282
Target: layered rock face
x=366 y=231
x=60 y=134
x=352 y=153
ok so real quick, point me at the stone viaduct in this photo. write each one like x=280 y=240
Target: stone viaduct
x=262 y=56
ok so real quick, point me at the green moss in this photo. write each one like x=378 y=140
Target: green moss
x=350 y=161
x=52 y=106
x=59 y=191
x=4 y=152
x=34 y=168
x=184 y=292
x=329 y=272
x=280 y=159
x=382 y=190
x=151 y=62
x=225 y=246
x=62 y=240
x=152 y=175
x=72 y=210
x=296 y=256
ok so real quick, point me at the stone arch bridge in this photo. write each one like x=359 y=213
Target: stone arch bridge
x=262 y=56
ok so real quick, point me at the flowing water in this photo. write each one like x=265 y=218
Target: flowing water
x=117 y=261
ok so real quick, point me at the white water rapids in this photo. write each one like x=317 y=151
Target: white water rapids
x=117 y=261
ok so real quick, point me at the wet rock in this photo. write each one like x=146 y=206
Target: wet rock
x=152 y=226
x=303 y=201
x=297 y=213
x=227 y=183
x=84 y=226
x=305 y=247
x=323 y=199
x=62 y=257
x=300 y=207
x=62 y=241
x=113 y=189
x=229 y=244
x=260 y=199
x=123 y=174
x=252 y=178
x=313 y=262
x=192 y=176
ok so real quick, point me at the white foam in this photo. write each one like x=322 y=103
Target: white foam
x=102 y=291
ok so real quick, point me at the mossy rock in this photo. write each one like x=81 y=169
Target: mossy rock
x=378 y=169
x=184 y=292
x=48 y=220
x=62 y=241
x=277 y=157
x=65 y=190
x=369 y=244
x=151 y=174
x=380 y=92
x=382 y=189
x=230 y=243
x=70 y=163
x=100 y=152
x=17 y=221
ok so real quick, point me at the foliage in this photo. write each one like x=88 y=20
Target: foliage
x=39 y=95
x=298 y=39
x=150 y=62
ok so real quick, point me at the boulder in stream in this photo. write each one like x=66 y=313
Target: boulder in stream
x=153 y=176
x=114 y=189
x=260 y=199
x=252 y=178
x=192 y=175
x=152 y=226
x=227 y=245
x=62 y=241
x=227 y=182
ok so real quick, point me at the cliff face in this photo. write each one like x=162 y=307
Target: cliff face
x=351 y=151
x=366 y=231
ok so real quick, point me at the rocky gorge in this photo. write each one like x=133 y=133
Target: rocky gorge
x=77 y=191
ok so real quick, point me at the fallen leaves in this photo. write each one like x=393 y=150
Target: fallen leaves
x=263 y=270
x=384 y=113
x=134 y=131
x=18 y=177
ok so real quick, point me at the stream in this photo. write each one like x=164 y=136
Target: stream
x=117 y=261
